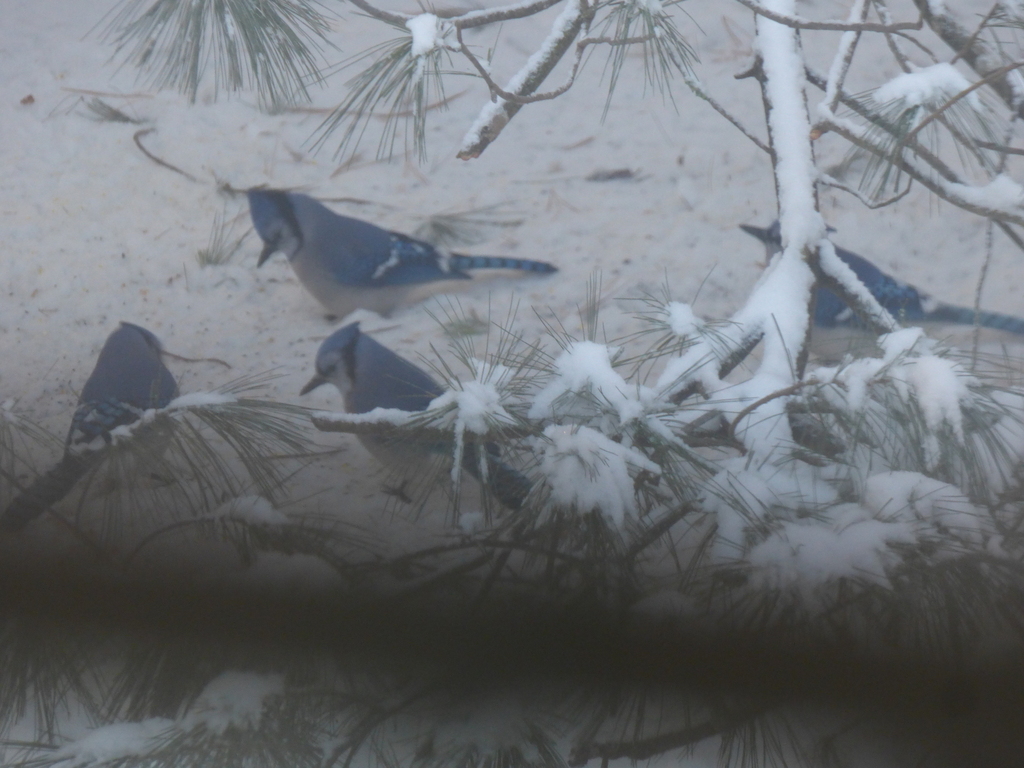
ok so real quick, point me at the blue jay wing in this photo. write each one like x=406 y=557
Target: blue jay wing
x=92 y=420
x=903 y=301
x=509 y=486
x=408 y=261
x=129 y=370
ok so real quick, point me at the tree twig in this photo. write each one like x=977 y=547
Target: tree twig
x=137 y=138
x=837 y=26
x=492 y=15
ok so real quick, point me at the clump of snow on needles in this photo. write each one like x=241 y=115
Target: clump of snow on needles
x=806 y=555
x=254 y=510
x=233 y=700
x=585 y=368
x=477 y=406
x=915 y=498
x=588 y=471
x=682 y=320
x=112 y=742
x=928 y=86
x=1001 y=193
x=424 y=33
x=937 y=384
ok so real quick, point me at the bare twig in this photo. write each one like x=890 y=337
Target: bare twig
x=581 y=46
x=196 y=359
x=505 y=13
x=699 y=90
x=977 y=31
x=792 y=389
x=1000 y=148
x=398 y=19
x=922 y=152
x=942 y=188
x=107 y=94
x=867 y=202
x=138 y=143
x=837 y=26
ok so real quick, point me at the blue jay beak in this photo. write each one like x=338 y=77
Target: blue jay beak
x=313 y=383
x=268 y=250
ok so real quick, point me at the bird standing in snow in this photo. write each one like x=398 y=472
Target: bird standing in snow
x=348 y=264
x=129 y=378
x=903 y=301
x=369 y=375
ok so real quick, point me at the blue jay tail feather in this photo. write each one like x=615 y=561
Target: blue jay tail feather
x=509 y=486
x=500 y=262
x=947 y=313
x=46 y=491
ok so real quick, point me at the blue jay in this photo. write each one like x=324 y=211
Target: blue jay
x=905 y=302
x=128 y=379
x=369 y=375
x=348 y=264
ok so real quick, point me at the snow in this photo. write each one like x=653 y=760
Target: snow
x=233 y=700
x=913 y=497
x=95 y=233
x=477 y=407
x=277 y=573
x=810 y=555
x=682 y=320
x=588 y=471
x=929 y=86
x=424 y=30
x=254 y=510
x=569 y=15
x=1001 y=193
x=109 y=743
x=585 y=369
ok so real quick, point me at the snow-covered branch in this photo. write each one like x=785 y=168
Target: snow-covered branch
x=975 y=51
x=495 y=115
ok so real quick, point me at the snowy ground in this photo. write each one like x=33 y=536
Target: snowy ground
x=94 y=232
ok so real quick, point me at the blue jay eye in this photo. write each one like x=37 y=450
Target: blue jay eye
x=348 y=264
x=129 y=378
